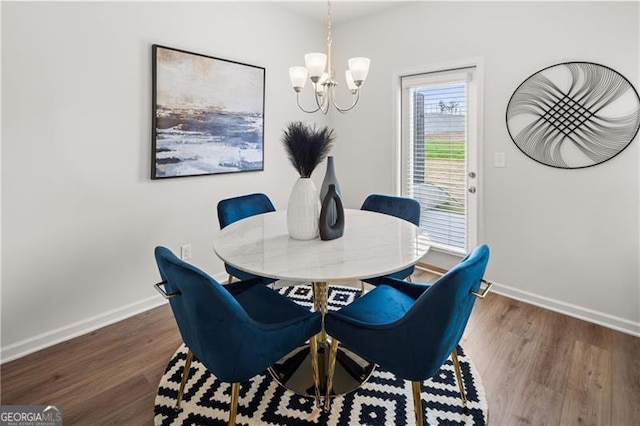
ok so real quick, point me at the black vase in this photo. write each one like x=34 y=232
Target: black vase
x=331 y=228
x=330 y=178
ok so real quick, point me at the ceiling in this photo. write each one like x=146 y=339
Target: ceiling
x=341 y=11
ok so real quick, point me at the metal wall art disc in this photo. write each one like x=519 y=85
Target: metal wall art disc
x=573 y=115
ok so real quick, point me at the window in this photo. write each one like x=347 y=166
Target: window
x=438 y=154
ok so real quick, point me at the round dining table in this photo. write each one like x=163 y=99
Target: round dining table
x=373 y=245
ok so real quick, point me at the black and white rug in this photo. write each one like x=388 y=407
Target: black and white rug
x=382 y=400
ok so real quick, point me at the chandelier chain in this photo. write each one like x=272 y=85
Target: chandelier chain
x=329 y=40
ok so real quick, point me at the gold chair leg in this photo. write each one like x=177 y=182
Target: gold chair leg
x=408 y=279
x=233 y=407
x=417 y=402
x=185 y=377
x=361 y=288
x=230 y=279
x=456 y=366
x=313 y=348
x=331 y=369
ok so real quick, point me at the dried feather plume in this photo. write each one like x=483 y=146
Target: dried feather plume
x=306 y=146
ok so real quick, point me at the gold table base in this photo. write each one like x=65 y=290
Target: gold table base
x=294 y=371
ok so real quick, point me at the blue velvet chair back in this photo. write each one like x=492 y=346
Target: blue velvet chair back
x=215 y=325
x=445 y=308
x=233 y=209
x=212 y=323
x=415 y=344
x=401 y=207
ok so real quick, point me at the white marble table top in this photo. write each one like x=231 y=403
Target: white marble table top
x=373 y=245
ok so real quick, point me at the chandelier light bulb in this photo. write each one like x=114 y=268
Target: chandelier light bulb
x=350 y=83
x=315 y=63
x=320 y=86
x=298 y=76
x=359 y=68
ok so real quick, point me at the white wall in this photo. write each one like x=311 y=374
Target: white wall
x=565 y=239
x=80 y=215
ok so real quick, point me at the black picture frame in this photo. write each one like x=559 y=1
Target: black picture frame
x=207 y=115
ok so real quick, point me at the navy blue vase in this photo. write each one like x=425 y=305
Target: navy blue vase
x=331 y=228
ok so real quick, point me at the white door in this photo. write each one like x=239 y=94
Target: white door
x=439 y=154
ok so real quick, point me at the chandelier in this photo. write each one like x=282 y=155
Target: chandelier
x=318 y=69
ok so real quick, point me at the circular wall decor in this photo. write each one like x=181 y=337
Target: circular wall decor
x=573 y=115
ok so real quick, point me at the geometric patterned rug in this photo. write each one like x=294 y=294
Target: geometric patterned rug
x=383 y=400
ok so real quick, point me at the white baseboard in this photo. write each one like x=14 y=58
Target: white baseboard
x=585 y=314
x=62 y=334
x=600 y=318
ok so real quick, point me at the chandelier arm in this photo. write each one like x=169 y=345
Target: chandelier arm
x=355 y=98
x=300 y=106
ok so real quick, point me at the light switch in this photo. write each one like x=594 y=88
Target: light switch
x=185 y=252
x=499 y=159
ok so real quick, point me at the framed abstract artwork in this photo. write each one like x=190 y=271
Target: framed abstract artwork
x=573 y=115
x=208 y=115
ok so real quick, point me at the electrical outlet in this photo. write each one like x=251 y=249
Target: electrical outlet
x=499 y=160
x=185 y=251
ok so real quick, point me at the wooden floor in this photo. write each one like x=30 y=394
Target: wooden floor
x=538 y=368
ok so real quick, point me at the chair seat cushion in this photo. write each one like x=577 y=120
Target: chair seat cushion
x=382 y=305
x=241 y=275
x=400 y=275
x=267 y=306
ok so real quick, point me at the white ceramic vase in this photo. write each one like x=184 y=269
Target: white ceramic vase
x=303 y=210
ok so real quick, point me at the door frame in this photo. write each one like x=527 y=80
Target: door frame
x=396 y=154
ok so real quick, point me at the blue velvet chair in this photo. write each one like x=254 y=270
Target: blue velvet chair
x=410 y=329
x=237 y=331
x=401 y=207
x=233 y=209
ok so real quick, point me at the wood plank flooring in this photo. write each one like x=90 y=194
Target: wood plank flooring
x=537 y=367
